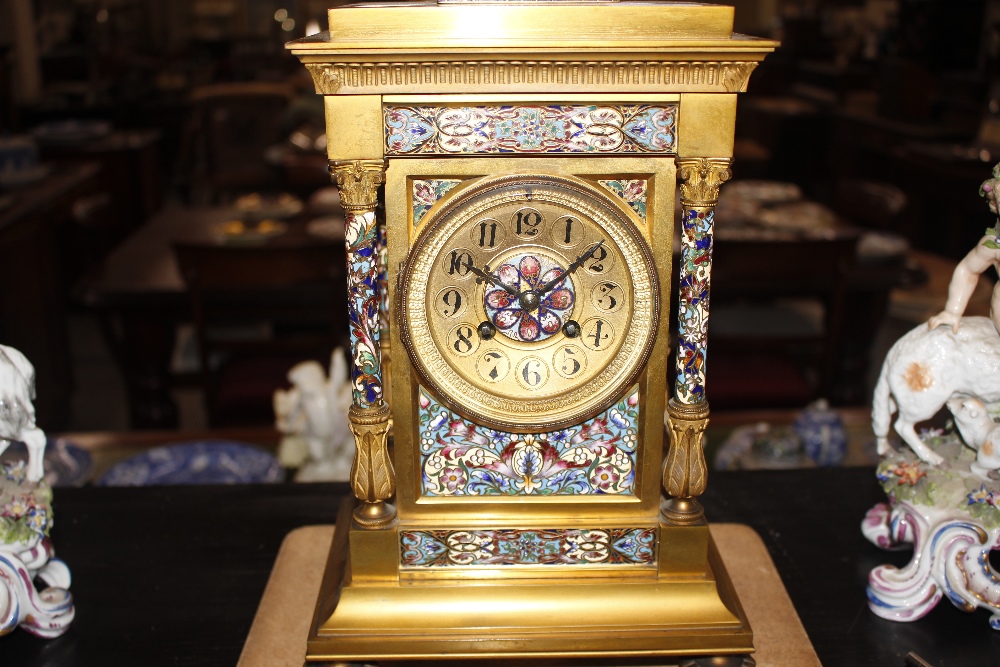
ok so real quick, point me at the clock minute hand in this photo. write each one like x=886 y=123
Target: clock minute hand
x=577 y=263
x=490 y=278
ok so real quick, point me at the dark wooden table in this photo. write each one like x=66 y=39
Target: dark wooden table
x=141 y=297
x=173 y=576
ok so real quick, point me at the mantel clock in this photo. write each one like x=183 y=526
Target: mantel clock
x=519 y=286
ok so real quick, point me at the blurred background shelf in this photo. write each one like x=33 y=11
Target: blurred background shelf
x=141 y=113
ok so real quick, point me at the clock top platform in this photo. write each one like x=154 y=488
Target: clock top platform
x=633 y=30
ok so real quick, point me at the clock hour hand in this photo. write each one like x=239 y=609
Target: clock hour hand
x=577 y=263
x=492 y=279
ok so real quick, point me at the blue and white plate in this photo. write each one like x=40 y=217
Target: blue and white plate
x=65 y=464
x=204 y=462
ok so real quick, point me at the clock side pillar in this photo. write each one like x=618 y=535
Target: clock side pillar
x=685 y=470
x=372 y=476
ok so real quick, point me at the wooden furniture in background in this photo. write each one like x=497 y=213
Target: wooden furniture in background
x=141 y=298
x=33 y=288
x=231 y=126
x=787 y=357
x=130 y=173
x=259 y=310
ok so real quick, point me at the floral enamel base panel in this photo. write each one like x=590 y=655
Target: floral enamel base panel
x=512 y=547
x=461 y=458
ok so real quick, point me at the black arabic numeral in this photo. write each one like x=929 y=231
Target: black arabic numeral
x=493 y=356
x=459 y=263
x=527 y=222
x=568 y=357
x=464 y=343
x=447 y=298
x=597 y=334
x=599 y=256
x=533 y=378
x=487 y=240
x=607 y=289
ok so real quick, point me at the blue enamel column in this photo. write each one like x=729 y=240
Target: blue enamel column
x=684 y=470
x=372 y=475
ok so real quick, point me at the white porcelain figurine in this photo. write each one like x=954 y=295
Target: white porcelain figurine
x=980 y=432
x=17 y=412
x=944 y=490
x=928 y=366
x=26 y=515
x=313 y=417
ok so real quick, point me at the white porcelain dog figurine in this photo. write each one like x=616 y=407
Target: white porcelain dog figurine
x=928 y=366
x=979 y=432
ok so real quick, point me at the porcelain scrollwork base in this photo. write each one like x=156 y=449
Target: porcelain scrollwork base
x=26 y=557
x=47 y=612
x=949 y=517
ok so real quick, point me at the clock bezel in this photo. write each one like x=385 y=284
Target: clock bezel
x=534 y=415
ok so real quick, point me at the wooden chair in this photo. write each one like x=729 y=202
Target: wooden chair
x=258 y=311
x=777 y=318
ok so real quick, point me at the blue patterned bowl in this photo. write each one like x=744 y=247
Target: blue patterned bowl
x=205 y=462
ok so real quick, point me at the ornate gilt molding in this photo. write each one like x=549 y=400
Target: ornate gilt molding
x=325 y=78
x=372 y=476
x=700 y=179
x=527 y=76
x=684 y=471
x=359 y=181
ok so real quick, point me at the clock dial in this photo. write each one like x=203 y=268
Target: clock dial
x=530 y=315
x=529 y=302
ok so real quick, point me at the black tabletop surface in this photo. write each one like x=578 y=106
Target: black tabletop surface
x=173 y=575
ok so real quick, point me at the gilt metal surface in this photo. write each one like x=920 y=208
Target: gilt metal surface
x=448 y=76
x=526 y=232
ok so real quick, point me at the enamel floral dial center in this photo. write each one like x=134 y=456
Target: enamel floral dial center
x=529 y=301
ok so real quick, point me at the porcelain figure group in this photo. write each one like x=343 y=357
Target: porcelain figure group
x=26 y=515
x=944 y=490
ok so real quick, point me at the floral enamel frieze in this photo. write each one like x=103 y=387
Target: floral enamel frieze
x=426 y=192
x=513 y=547
x=555 y=128
x=461 y=458
x=695 y=273
x=632 y=192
